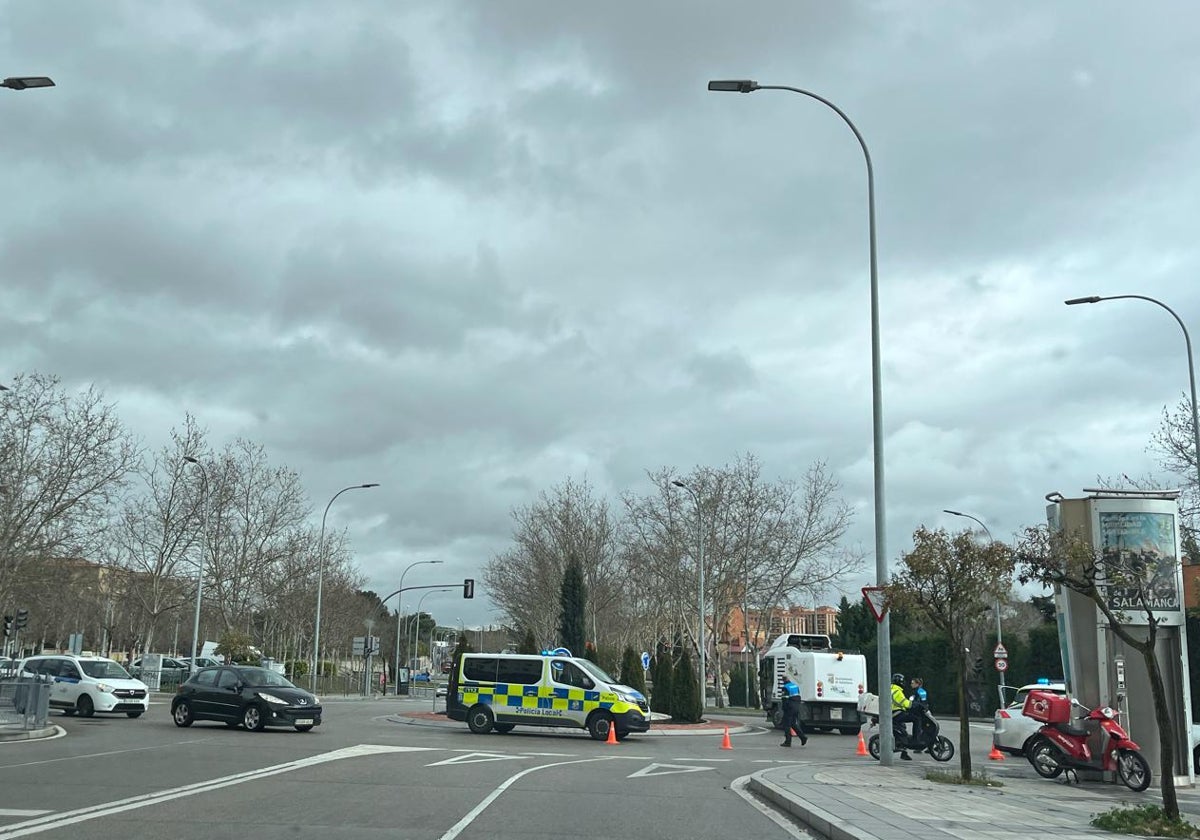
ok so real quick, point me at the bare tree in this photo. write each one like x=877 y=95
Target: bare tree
x=1114 y=581
x=951 y=581
x=525 y=581
x=154 y=536
x=763 y=542
x=64 y=458
x=253 y=507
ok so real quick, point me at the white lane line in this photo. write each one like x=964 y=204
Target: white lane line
x=470 y=816
x=738 y=786
x=47 y=823
x=19 y=812
x=100 y=754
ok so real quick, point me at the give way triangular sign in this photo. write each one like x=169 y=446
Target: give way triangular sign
x=875 y=600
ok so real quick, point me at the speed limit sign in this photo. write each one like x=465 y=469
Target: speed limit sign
x=1002 y=665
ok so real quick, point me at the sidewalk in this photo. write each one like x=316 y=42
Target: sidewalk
x=865 y=801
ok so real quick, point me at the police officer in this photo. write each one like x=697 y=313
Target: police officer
x=901 y=713
x=791 y=715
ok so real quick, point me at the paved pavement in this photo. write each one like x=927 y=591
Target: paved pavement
x=866 y=801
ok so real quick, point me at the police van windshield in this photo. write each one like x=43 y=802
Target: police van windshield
x=103 y=669
x=595 y=670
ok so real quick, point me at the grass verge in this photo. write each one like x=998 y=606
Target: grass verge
x=1146 y=820
x=946 y=778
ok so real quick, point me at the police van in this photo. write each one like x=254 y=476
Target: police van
x=498 y=691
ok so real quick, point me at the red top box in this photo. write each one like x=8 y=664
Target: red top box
x=1047 y=707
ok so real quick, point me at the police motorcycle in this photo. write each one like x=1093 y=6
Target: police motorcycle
x=927 y=736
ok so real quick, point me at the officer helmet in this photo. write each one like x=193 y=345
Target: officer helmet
x=898 y=679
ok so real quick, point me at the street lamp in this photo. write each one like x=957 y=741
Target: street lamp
x=700 y=564
x=417 y=631
x=999 y=634
x=203 y=550
x=881 y=566
x=399 y=613
x=312 y=680
x=25 y=82
x=1187 y=340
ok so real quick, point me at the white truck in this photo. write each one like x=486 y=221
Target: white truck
x=830 y=681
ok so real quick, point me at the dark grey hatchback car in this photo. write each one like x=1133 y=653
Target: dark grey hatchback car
x=252 y=697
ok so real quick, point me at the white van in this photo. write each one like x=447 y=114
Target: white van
x=89 y=684
x=497 y=691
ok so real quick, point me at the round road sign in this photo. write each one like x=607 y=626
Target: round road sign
x=1002 y=665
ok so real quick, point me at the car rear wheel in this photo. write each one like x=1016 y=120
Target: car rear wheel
x=85 y=706
x=480 y=720
x=252 y=719
x=133 y=714
x=182 y=714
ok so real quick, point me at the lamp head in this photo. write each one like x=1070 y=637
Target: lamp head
x=24 y=82
x=1091 y=299
x=190 y=459
x=733 y=85
x=679 y=483
x=365 y=486
x=951 y=512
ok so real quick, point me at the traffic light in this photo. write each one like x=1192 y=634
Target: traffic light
x=8 y=626
x=469 y=588
x=22 y=618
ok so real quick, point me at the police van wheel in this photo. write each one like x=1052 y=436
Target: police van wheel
x=598 y=725
x=777 y=717
x=480 y=720
x=503 y=728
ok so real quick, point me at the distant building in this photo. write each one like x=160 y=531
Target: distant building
x=765 y=628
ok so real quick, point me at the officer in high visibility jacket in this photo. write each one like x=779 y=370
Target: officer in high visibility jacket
x=900 y=712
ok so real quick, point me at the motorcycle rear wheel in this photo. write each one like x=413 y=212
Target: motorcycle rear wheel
x=942 y=749
x=1133 y=770
x=873 y=746
x=1045 y=758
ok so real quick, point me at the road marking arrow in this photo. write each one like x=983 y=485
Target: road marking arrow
x=474 y=758
x=665 y=770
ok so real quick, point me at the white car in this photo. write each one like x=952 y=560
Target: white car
x=89 y=684
x=1011 y=729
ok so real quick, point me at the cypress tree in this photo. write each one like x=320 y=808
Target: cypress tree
x=572 y=604
x=685 y=690
x=632 y=674
x=664 y=696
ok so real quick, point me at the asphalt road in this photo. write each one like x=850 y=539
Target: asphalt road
x=364 y=775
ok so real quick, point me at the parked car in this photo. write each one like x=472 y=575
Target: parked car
x=254 y=698
x=89 y=684
x=1010 y=728
x=201 y=662
x=168 y=665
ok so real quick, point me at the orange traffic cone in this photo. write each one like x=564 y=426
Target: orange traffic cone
x=995 y=754
x=862 y=746
x=612 y=734
x=725 y=745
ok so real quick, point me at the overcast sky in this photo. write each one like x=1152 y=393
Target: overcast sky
x=471 y=249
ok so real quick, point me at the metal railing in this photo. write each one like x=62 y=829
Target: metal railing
x=24 y=702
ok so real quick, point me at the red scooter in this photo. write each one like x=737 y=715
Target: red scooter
x=1061 y=747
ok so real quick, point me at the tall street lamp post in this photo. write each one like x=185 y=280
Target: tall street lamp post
x=203 y=551
x=881 y=562
x=417 y=632
x=700 y=564
x=26 y=82
x=316 y=657
x=999 y=634
x=399 y=613
x=1187 y=340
